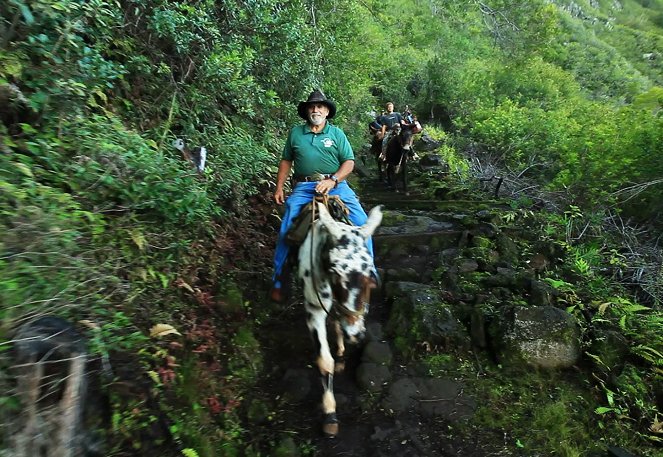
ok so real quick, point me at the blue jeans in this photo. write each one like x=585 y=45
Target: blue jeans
x=302 y=195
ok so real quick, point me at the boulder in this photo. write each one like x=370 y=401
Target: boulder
x=467 y=265
x=402 y=274
x=377 y=352
x=541 y=293
x=419 y=314
x=508 y=249
x=433 y=161
x=540 y=336
x=426 y=143
x=296 y=384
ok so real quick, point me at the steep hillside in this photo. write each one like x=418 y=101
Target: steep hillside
x=621 y=41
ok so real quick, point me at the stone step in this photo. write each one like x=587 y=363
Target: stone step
x=392 y=245
x=399 y=223
x=382 y=192
x=418 y=267
x=398 y=203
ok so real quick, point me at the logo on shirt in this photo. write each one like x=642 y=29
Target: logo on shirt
x=328 y=142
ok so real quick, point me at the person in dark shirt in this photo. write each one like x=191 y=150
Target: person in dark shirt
x=391 y=118
x=390 y=121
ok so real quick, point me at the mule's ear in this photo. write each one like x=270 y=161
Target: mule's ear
x=374 y=219
x=330 y=224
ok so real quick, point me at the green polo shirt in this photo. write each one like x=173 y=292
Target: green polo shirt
x=321 y=152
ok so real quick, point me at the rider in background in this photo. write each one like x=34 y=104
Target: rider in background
x=408 y=118
x=391 y=120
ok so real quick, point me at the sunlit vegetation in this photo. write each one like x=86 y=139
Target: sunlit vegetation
x=103 y=220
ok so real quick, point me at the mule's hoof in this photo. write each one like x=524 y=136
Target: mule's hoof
x=330 y=425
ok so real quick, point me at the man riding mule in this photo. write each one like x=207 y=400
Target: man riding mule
x=392 y=155
x=396 y=156
x=390 y=121
x=322 y=158
x=336 y=259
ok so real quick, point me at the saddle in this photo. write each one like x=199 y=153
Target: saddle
x=302 y=223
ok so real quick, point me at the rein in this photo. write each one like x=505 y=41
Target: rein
x=343 y=309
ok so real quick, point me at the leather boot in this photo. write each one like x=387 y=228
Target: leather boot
x=277 y=295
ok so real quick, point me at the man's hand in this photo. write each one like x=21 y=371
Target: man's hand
x=279 y=196
x=281 y=177
x=324 y=186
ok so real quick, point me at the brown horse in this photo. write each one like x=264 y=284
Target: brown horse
x=393 y=163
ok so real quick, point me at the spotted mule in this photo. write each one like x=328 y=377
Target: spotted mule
x=337 y=273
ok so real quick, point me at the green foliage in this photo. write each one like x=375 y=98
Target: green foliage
x=652 y=100
x=53 y=36
x=439 y=364
x=641 y=324
x=116 y=333
x=523 y=136
x=46 y=264
x=249 y=363
x=567 y=434
x=97 y=208
x=118 y=170
x=557 y=425
x=103 y=220
x=535 y=83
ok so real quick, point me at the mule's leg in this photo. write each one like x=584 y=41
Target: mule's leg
x=340 y=348
x=316 y=323
x=29 y=388
x=391 y=182
x=71 y=406
x=404 y=171
x=330 y=421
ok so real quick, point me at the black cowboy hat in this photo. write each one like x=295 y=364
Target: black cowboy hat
x=316 y=97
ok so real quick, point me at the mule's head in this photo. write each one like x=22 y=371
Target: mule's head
x=350 y=269
x=406 y=138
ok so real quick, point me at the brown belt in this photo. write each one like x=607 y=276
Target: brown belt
x=312 y=178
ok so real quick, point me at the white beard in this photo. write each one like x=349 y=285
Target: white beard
x=316 y=118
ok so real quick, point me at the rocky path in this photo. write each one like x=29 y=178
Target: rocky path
x=468 y=346
x=387 y=406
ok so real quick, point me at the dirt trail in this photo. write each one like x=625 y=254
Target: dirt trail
x=430 y=426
